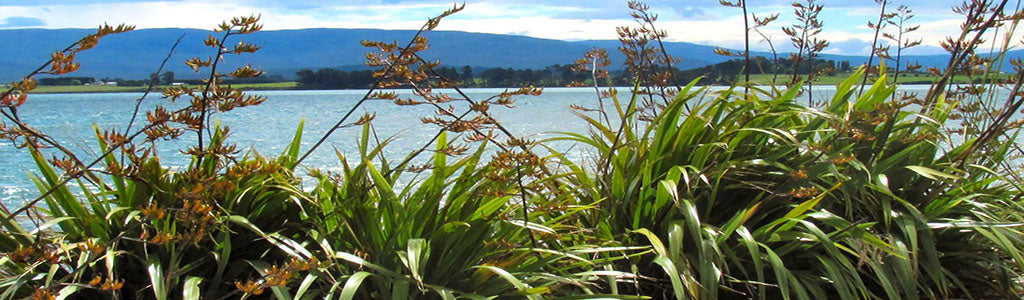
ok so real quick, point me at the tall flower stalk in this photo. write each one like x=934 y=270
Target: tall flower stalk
x=883 y=19
x=804 y=36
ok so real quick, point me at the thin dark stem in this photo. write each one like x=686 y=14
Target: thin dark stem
x=376 y=85
x=800 y=54
x=1011 y=107
x=152 y=84
x=416 y=153
x=959 y=55
x=494 y=121
x=526 y=208
x=899 y=55
x=874 y=47
x=67 y=179
x=775 y=56
x=468 y=99
x=664 y=53
x=668 y=64
x=14 y=117
x=409 y=158
x=644 y=77
x=341 y=121
x=49 y=141
x=597 y=89
x=210 y=83
x=35 y=72
x=746 y=51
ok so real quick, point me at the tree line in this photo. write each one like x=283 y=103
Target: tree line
x=552 y=76
x=166 y=78
x=725 y=73
x=563 y=75
x=466 y=76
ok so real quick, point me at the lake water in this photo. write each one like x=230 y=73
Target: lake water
x=269 y=127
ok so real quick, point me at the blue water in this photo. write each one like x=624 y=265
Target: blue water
x=269 y=127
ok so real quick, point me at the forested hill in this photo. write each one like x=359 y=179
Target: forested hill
x=137 y=54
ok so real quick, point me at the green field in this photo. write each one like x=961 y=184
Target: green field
x=839 y=77
x=757 y=78
x=53 y=89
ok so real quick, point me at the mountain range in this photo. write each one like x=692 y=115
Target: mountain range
x=136 y=54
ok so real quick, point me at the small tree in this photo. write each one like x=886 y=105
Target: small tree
x=467 y=74
x=168 y=77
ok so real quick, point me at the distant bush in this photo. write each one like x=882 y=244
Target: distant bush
x=66 y=80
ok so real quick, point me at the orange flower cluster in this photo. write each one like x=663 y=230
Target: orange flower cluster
x=277 y=275
x=798 y=174
x=807 y=192
x=61 y=62
x=35 y=254
x=109 y=285
x=43 y=294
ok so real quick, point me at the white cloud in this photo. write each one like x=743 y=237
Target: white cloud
x=567 y=20
x=143 y=15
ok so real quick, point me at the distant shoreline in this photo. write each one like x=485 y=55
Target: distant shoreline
x=92 y=89
x=293 y=86
x=762 y=80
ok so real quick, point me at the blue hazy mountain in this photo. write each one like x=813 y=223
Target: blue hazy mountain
x=136 y=54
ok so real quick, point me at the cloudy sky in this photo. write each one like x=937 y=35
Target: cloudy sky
x=698 y=21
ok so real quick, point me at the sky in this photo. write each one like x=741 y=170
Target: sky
x=696 y=21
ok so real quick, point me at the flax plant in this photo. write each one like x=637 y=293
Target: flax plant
x=463 y=225
x=154 y=233
x=744 y=197
x=694 y=193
